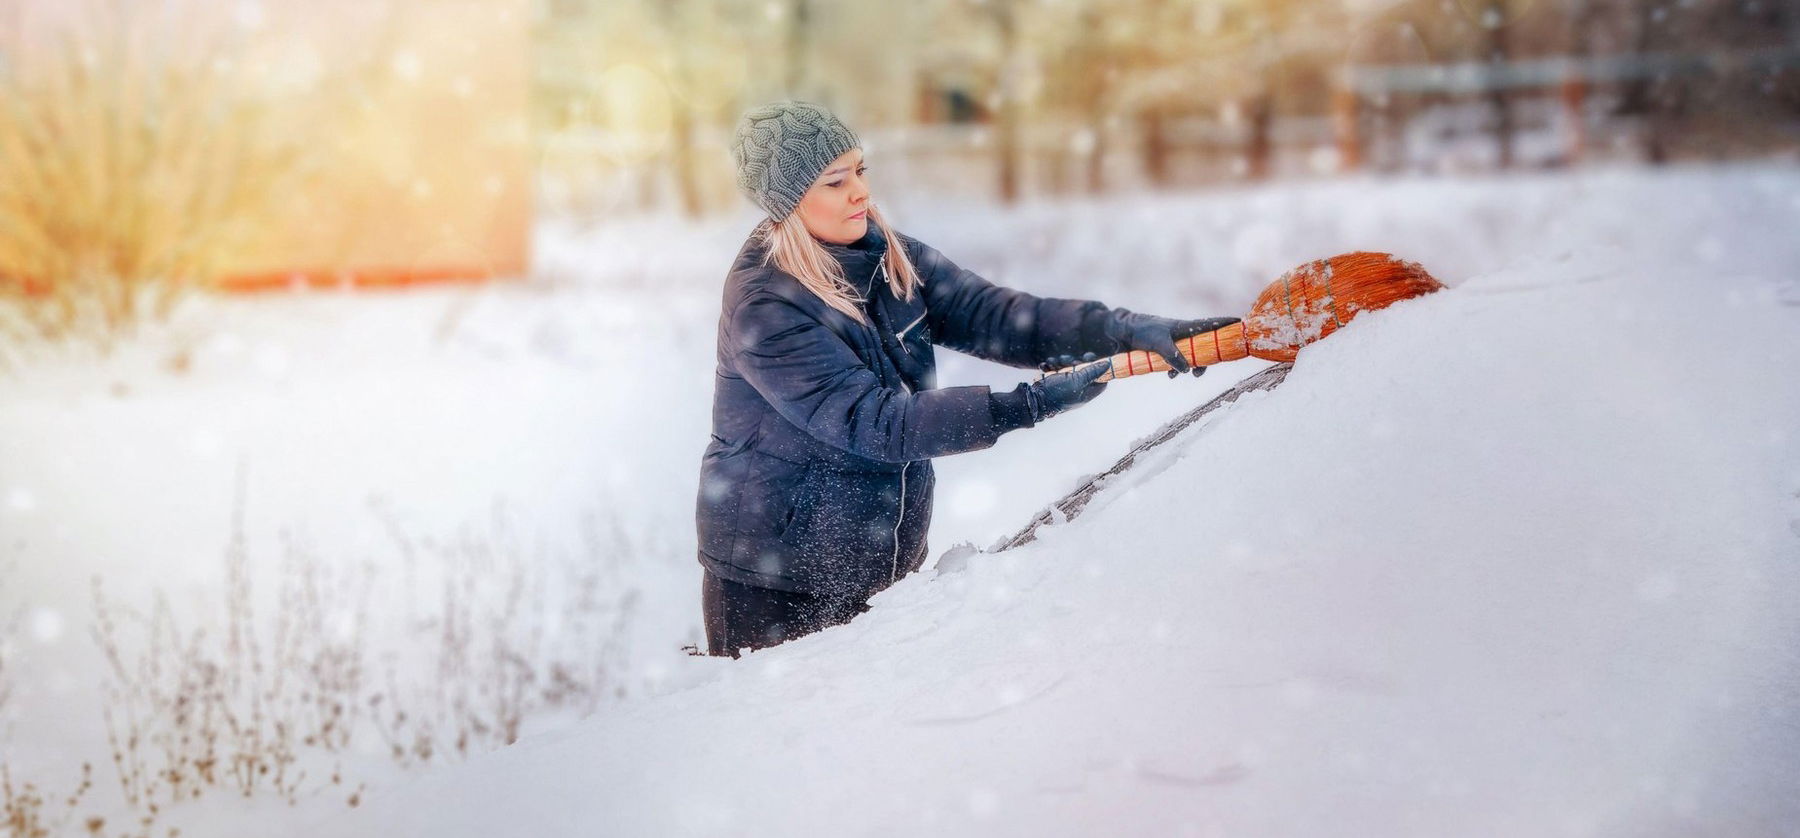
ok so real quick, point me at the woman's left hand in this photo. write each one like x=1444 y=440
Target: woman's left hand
x=1158 y=334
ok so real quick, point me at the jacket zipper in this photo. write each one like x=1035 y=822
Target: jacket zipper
x=899 y=520
x=900 y=336
x=909 y=327
x=894 y=572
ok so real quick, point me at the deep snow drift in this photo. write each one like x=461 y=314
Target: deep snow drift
x=1522 y=557
x=1514 y=559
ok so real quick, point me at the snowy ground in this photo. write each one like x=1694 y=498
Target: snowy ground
x=1521 y=558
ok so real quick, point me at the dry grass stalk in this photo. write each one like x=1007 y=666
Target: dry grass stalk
x=9 y=630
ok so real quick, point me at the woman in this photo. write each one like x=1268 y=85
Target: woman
x=815 y=492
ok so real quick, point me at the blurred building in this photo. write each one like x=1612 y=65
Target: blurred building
x=390 y=142
x=1014 y=99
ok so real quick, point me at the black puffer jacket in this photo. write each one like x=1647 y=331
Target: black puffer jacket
x=818 y=477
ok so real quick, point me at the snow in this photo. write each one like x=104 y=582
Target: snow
x=1521 y=557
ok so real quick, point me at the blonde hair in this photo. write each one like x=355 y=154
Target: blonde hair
x=794 y=250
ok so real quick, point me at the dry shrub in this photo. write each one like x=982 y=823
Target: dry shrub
x=272 y=694
x=28 y=812
x=517 y=630
x=136 y=155
x=190 y=710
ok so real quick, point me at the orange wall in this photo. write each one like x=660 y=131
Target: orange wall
x=427 y=171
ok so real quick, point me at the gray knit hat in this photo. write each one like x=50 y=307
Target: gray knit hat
x=781 y=147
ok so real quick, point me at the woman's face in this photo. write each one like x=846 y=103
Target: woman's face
x=836 y=207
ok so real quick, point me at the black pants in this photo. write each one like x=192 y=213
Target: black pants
x=745 y=617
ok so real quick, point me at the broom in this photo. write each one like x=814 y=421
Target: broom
x=1302 y=307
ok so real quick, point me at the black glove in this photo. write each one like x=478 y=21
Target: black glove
x=1158 y=334
x=1063 y=362
x=1062 y=391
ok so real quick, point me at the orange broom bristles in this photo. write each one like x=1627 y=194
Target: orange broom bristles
x=1302 y=307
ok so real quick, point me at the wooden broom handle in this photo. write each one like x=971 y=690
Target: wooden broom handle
x=1201 y=350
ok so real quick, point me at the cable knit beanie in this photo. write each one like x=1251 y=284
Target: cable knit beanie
x=781 y=147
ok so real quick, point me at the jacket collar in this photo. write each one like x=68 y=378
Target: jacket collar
x=859 y=257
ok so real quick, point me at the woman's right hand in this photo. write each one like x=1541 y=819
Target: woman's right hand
x=1063 y=391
